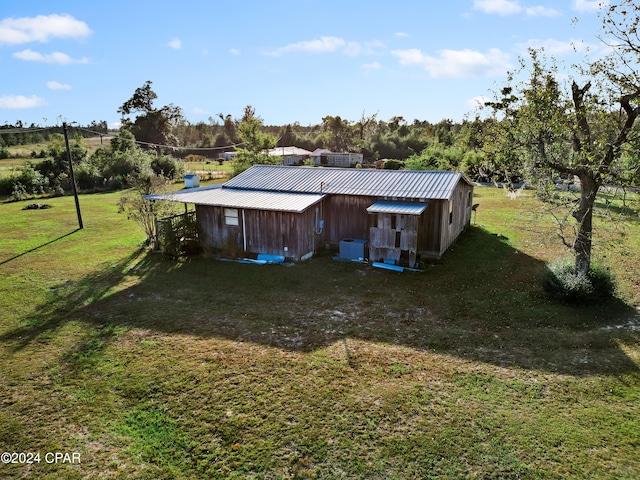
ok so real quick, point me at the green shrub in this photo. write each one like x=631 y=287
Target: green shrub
x=168 y=167
x=392 y=165
x=563 y=283
x=19 y=192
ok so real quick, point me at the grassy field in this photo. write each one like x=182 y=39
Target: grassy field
x=21 y=154
x=209 y=369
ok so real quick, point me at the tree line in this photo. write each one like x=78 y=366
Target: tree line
x=110 y=167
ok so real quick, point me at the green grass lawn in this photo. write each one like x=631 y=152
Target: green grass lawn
x=209 y=369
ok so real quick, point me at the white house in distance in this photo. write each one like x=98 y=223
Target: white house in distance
x=290 y=155
x=327 y=158
x=320 y=156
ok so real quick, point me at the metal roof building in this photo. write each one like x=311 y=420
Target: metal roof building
x=292 y=211
x=401 y=184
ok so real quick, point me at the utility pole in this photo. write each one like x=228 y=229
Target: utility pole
x=71 y=175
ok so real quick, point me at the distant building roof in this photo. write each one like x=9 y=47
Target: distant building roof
x=320 y=151
x=410 y=184
x=284 y=151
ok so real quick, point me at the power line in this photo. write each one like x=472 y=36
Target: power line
x=139 y=142
x=173 y=147
x=24 y=130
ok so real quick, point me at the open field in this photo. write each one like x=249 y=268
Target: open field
x=21 y=154
x=210 y=369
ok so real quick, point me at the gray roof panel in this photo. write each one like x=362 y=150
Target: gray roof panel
x=401 y=208
x=249 y=199
x=414 y=184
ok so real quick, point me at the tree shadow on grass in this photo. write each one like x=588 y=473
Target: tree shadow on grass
x=482 y=302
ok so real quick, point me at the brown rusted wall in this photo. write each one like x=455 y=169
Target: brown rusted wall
x=227 y=238
x=438 y=229
x=269 y=232
x=265 y=231
x=345 y=216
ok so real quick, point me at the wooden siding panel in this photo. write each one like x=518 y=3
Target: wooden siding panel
x=266 y=231
x=430 y=226
x=345 y=216
x=270 y=232
x=220 y=236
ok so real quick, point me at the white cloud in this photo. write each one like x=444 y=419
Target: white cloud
x=540 y=11
x=52 y=85
x=402 y=34
x=329 y=45
x=501 y=7
x=14 y=31
x=457 y=63
x=511 y=7
x=589 y=5
x=11 y=102
x=320 y=45
x=176 y=44
x=55 y=57
x=234 y=51
x=354 y=49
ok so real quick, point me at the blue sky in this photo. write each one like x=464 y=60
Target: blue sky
x=291 y=60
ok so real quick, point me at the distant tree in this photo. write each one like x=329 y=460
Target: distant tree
x=152 y=126
x=255 y=143
x=287 y=137
x=366 y=126
x=339 y=134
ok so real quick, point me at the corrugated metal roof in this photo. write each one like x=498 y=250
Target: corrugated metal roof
x=402 y=208
x=414 y=184
x=250 y=199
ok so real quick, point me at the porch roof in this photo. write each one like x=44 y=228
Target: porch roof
x=249 y=199
x=401 y=208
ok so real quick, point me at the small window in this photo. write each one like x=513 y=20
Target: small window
x=450 y=212
x=393 y=222
x=398 y=239
x=373 y=220
x=231 y=216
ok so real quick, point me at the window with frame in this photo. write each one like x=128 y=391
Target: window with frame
x=231 y=216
